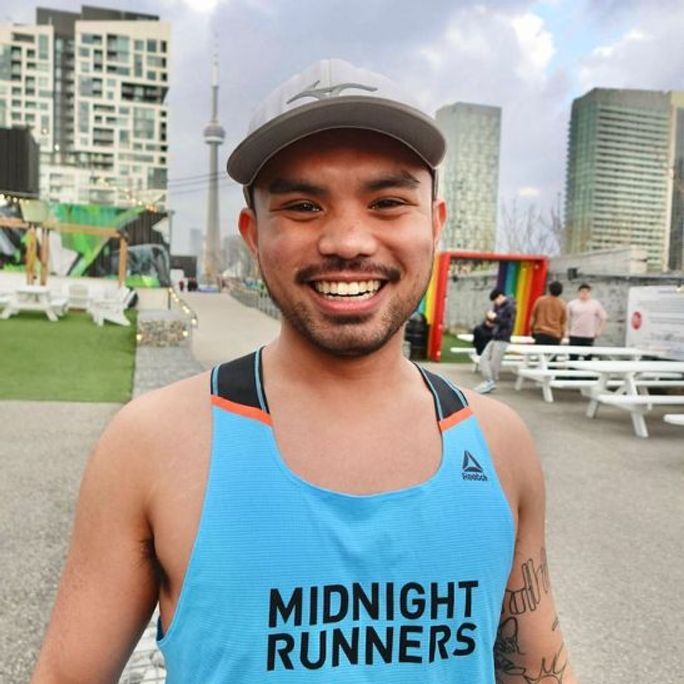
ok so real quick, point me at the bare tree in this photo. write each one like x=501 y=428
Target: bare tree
x=238 y=259
x=531 y=230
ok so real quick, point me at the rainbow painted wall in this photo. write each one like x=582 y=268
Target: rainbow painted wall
x=522 y=276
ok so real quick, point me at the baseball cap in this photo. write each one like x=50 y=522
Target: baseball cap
x=329 y=94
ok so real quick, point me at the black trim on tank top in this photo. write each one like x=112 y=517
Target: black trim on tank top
x=448 y=399
x=239 y=381
x=236 y=381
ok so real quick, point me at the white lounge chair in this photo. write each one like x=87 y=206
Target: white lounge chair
x=79 y=296
x=112 y=308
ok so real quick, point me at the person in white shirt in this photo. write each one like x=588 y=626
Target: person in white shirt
x=586 y=318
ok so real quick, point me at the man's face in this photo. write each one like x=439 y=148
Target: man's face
x=344 y=227
x=584 y=294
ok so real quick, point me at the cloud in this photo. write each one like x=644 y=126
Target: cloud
x=536 y=44
x=647 y=55
x=610 y=51
x=503 y=58
x=202 y=6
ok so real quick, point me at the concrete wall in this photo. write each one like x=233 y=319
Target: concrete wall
x=468 y=298
x=625 y=260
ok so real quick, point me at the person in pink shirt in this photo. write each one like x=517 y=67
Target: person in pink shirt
x=586 y=318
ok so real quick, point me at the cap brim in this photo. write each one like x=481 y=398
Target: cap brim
x=404 y=123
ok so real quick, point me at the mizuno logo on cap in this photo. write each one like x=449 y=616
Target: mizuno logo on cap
x=330 y=91
x=471 y=469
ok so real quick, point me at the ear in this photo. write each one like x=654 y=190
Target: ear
x=439 y=217
x=247 y=225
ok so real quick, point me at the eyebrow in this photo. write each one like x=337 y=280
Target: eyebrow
x=283 y=186
x=399 y=180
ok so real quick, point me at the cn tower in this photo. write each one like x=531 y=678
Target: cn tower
x=213 y=136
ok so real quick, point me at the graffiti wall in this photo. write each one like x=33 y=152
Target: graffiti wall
x=87 y=254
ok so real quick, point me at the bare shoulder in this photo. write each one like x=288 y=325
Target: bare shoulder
x=148 y=430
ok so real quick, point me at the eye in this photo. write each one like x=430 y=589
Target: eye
x=387 y=203
x=304 y=206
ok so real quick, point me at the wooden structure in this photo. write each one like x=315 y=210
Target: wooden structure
x=19 y=224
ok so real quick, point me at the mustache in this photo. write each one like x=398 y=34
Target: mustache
x=337 y=264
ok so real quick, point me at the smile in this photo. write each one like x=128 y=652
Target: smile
x=362 y=289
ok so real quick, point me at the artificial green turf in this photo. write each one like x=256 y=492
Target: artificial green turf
x=450 y=340
x=71 y=360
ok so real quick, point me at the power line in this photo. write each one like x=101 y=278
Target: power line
x=202 y=188
x=182 y=180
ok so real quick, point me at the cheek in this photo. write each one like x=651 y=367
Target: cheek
x=419 y=254
x=281 y=255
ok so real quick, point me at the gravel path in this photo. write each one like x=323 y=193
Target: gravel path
x=44 y=447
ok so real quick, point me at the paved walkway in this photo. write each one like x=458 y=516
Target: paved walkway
x=615 y=511
x=227 y=329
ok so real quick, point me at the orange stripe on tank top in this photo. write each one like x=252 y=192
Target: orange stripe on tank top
x=455 y=418
x=241 y=409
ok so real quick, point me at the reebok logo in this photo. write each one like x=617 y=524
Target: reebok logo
x=471 y=469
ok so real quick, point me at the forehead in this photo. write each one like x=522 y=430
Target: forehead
x=346 y=149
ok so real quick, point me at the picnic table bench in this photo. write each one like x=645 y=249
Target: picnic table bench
x=631 y=392
x=547 y=365
x=34 y=298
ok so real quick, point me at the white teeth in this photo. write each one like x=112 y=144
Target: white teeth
x=347 y=289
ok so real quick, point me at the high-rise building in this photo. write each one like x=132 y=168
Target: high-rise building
x=92 y=87
x=469 y=176
x=625 y=156
x=676 y=255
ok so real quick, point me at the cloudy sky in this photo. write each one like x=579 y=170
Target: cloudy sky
x=529 y=57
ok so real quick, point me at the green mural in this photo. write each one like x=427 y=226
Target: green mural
x=81 y=254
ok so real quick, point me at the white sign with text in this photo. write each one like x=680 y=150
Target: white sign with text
x=655 y=320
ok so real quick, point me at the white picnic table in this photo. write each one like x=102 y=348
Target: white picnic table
x=631 y=391
x=674 y=418
x=509 y=360
x=34 y=298
x=519 y=339
x=548 y=365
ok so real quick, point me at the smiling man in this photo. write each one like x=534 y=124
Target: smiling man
x=328 y=511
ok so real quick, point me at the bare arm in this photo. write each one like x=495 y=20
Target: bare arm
x=529 y=648
x=564 y=319
x=603 y=319
x=109 y=585
x=533 y=314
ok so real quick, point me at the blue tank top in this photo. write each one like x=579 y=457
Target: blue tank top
x=289 y=582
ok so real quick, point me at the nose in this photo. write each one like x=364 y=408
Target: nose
x=347 y=235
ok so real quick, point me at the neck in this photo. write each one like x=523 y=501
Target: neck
x=294 y=358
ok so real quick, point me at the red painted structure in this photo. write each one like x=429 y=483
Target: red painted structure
x=533 y=288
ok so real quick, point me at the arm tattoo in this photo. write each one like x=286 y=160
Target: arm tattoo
x=517 y=602
x=552 y=674
x=507 y=671
x=535 y=580
x=506 y=647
